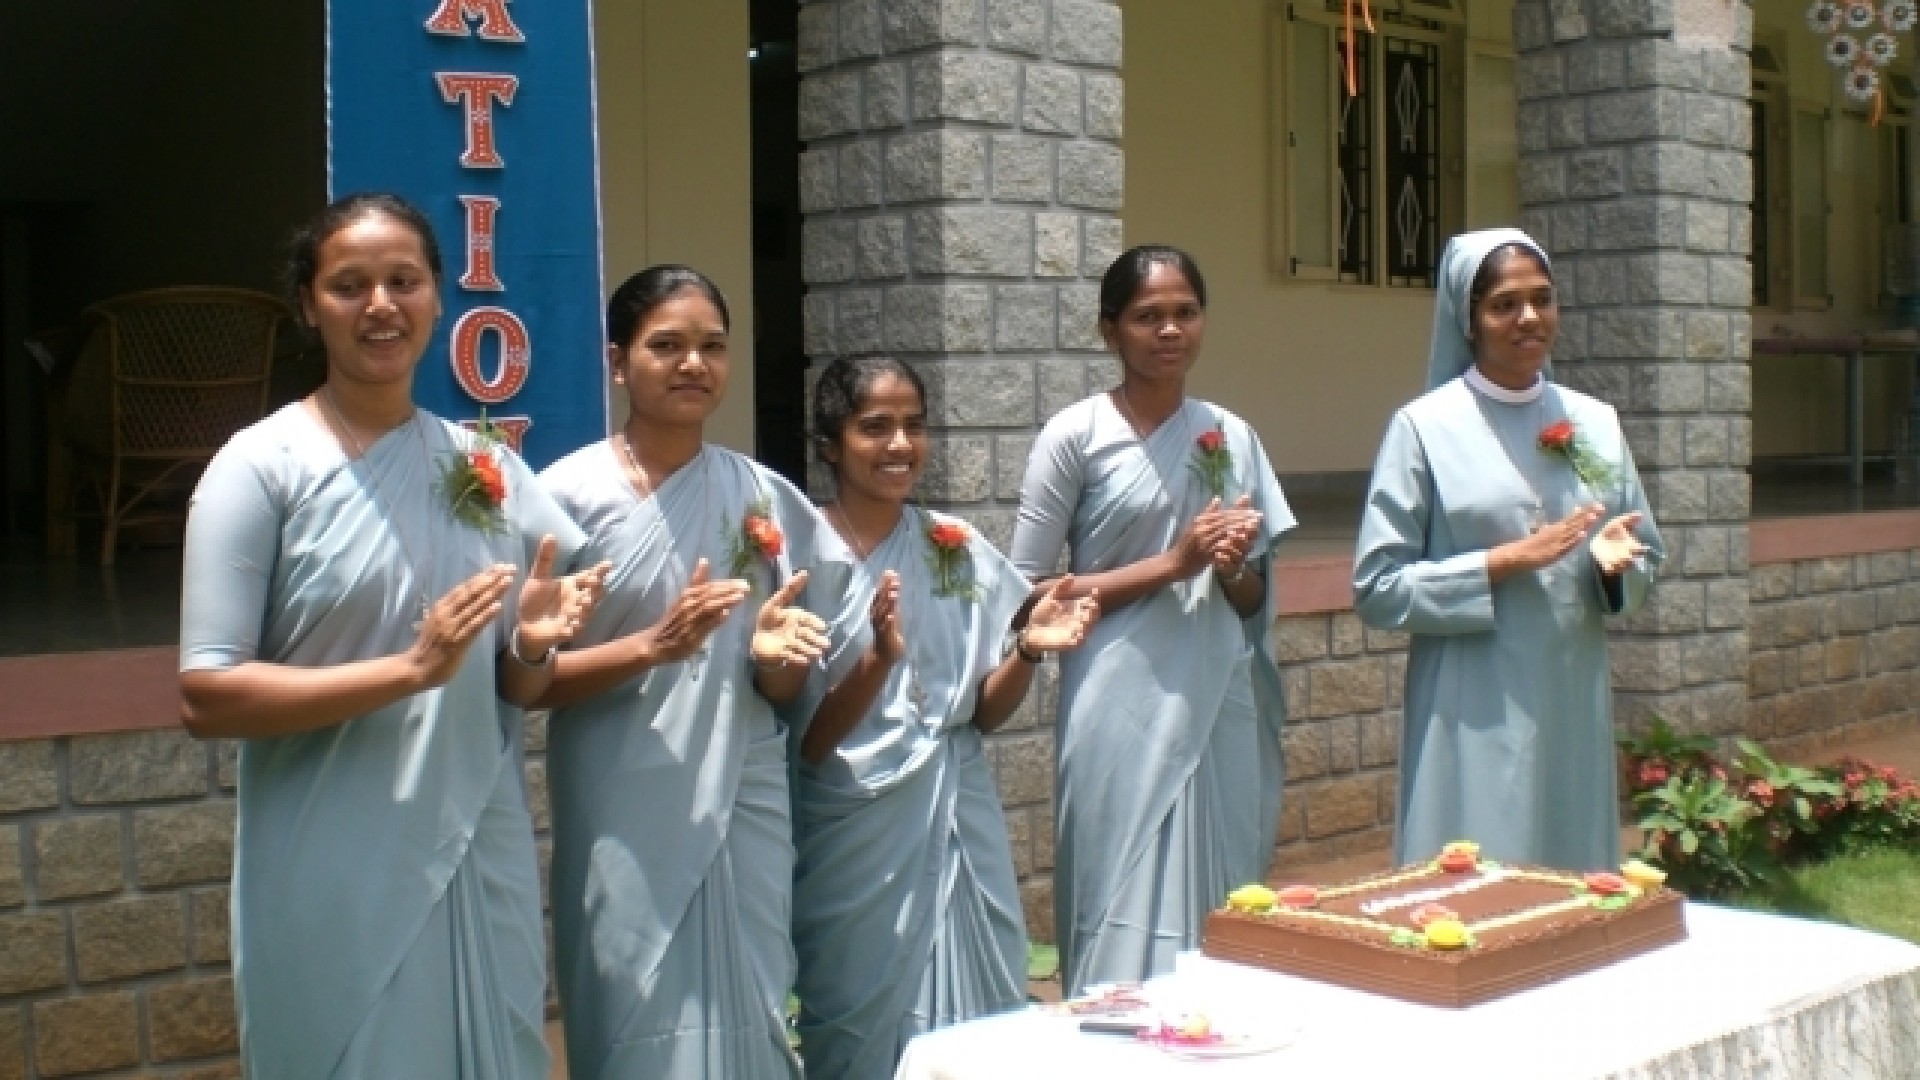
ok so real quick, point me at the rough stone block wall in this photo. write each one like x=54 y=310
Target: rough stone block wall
x=962 y=183
x=1636 y=174
x=1836 y=649
x=115 y=853
x=1342 y=740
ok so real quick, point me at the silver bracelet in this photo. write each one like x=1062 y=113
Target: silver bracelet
x=513 y=650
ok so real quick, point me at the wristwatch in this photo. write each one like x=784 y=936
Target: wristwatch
x=1020 y=647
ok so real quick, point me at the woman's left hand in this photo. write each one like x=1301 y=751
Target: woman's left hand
x=784 y=634
x=553 y=609
x=1615 y=546
x=1059 y=623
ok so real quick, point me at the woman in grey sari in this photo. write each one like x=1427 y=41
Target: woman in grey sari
x=667 y=759
x=906 y=912
x=1169 y=777
x=348 y=562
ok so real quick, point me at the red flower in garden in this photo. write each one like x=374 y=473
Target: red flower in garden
x=1653 y=773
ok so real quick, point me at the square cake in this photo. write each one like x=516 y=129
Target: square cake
x=1455 y=931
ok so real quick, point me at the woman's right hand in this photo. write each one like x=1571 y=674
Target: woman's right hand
x=1544 y=546
x=1215 y=530
x=694 y=615
x=454 y=621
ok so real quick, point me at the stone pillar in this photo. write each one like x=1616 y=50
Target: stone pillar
x=1636 y=173
x=961 y=185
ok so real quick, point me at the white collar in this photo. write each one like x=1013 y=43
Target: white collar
x=1494 y=390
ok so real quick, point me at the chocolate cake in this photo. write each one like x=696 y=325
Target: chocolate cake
x=1455 y=931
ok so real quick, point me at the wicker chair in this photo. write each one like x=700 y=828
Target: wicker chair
x=163 y=379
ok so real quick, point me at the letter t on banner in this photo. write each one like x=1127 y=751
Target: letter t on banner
x=483 y=117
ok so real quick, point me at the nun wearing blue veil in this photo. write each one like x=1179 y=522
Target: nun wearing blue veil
x=1504 y=522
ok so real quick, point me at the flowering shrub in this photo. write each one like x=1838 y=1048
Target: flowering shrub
x=1716 y=828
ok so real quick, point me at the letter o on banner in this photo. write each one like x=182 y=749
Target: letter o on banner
x=464 y=351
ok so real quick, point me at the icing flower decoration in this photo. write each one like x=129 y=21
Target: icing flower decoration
x=1898 y=16
x=1213 y=461
x=1823 y=17
x=1862 y=83
x=1459 y=858
x=1859 y=15
x=1447 y=934
x=1298 y=896
x=1642 y=874
x=1842 y=50
x=758 y=540
x=1881 y=49
x=950 y=560
x=1602 y=884
x=473 y=483
x=1563 y=439
x=1254 y=898
x=1427 y=914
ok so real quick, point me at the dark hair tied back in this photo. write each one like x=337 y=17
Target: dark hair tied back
x=637 y=296
x=1128 y=274
x=842 y=389
x=303 y=262
x=1496 y=262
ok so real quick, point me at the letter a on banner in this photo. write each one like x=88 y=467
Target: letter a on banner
x=480 y=112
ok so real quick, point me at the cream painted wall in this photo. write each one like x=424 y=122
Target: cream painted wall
x=1317 y=369
x=675 y=181
x=1799 y=402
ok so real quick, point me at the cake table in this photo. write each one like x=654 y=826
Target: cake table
x=1745 y=995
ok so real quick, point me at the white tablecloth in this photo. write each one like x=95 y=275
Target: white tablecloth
x=1746 y=996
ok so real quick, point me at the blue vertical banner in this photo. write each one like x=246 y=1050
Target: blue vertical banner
x=481 y=112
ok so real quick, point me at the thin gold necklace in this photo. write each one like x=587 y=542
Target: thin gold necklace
x=633 y=462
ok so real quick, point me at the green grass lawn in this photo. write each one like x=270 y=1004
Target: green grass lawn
x=1874 y=891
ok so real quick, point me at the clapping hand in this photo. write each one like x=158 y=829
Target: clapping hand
x=1615 y=546
x=1058 y=623
x=694 y=615
x=783 y=634
x=1550 y=543
x=553 y=609
x=455 y=620
x=889 y=640
x=1219 y=536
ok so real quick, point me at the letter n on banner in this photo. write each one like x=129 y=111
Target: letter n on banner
x=480 y=112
